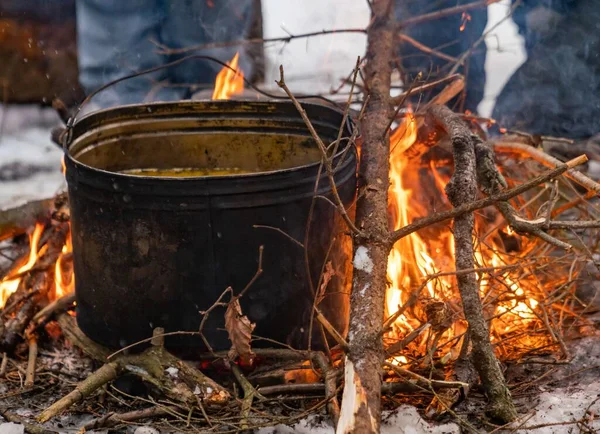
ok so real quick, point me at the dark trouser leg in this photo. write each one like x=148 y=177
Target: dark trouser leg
x=445 y=35
x=191 y=23
x=114 y=40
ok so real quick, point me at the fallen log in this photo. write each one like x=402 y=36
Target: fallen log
x=16 y=220
x=156 y=366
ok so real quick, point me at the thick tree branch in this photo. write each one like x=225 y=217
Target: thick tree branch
x=461 y=189
x=361 y=405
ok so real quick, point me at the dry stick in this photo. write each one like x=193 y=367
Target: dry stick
x=293 y=388
x=492 y=181
x=361 y=401
x=30 y=428
x=331 y=329
x=329 y=375
x=547 y=160
x=31 y=360
x=249 y=393
x=462 y=188
x=3 y=364
x=428 y=86
x=285 y=234
x=414 y=296
x=112 y=419
x=150 y=366
x=166 y=50
x=444 y=13
x=488 y=201
x=102 y=376
x=397 y=347
x=425 y=382
x=58 y=305
x=326 y=160
x=425 y=49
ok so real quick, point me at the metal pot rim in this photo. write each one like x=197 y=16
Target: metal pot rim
x=189 y=105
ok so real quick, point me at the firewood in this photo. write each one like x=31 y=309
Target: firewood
x=31 y=361
x=14 y=327
x=461 y=189
x=112 y=419
x=15 y=221
x=84 y=389
x=57 y=306
x=173 y=377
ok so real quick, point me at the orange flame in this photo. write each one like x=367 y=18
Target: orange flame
x=64 y=282
x=413 y=258
x=10 y=283
x=230 y=81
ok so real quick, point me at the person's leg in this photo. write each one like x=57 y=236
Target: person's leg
x=191 y=23
x=114 y=40
x=452 y=35
x=556 y=91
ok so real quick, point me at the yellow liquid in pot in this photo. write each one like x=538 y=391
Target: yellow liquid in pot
x=186 y=172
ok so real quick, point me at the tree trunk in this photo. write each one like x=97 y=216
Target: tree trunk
x=361 y=406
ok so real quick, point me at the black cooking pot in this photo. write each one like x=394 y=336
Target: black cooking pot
x=157 y=251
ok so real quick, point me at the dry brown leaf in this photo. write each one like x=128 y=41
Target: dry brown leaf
x=240 y=330
x=328 y=274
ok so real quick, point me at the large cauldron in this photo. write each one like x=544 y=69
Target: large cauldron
x=154 y=251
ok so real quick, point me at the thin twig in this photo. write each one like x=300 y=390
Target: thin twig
x=428 y=86
x=438 y=384
x=31 y=361
x=326 y=160
x=488 y=201
x=331 y=329
x=286 y=39
x=444 y=13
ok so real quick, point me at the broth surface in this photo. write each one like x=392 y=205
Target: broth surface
x=186 y=172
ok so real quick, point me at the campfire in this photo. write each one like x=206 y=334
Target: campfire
x=422 y=298
x=526 y=264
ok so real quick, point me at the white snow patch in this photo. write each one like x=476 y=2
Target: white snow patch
x=11 y=428
x=563 y=405
x=403 y=420
x=362 y=261
x=364 y=290
x=146 y=430
x=136 y=370
x=173 y=372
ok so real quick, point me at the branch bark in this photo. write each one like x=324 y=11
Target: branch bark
x=361 y=406
x=461 y=189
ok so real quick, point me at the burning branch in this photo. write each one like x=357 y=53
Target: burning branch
x=488 y=201
x=461 y=189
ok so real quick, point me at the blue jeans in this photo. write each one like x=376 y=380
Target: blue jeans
x=118 y=37
x=446 y=36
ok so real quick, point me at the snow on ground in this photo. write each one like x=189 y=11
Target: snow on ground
x=30 y=165
x=403 y=420
x=573 y=395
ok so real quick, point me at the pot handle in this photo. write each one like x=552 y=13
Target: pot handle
x=66 y=136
